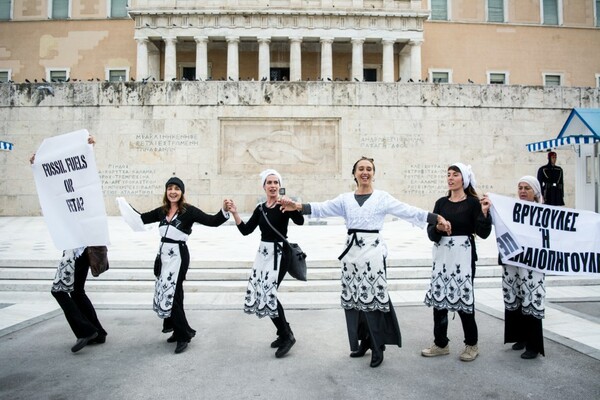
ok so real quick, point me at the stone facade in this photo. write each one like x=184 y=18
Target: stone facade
x=217 y=136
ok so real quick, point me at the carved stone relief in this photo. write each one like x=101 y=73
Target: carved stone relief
x=251 y=145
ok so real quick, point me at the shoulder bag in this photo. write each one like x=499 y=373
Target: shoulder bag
x=98 y=258
x=293 y=256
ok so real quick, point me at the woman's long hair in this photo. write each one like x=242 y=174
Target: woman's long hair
x=470 y=190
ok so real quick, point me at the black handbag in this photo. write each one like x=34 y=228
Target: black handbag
x=293 y=256
x=157 y=265
x=98 y=259
x=157 y=260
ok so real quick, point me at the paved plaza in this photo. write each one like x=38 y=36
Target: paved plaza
x=230 y=357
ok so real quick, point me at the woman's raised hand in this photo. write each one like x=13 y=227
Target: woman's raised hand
x=443 y=225
x=486 y=203
x=287 y=204
x=229 y=205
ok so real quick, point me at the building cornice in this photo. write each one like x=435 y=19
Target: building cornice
x=281 y=19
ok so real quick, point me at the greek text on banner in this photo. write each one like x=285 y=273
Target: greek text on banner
x=550 y=239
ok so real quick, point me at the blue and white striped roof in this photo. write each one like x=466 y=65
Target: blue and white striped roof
x=582 y=127
x=6 y=146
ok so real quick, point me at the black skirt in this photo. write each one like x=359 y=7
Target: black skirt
x=377 y=326
x=519 y=327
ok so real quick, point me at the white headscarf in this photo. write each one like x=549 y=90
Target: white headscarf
x=467 y=174
x=267 y=172
x=535 y=185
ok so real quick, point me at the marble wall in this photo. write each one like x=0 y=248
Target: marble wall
x=217 y=136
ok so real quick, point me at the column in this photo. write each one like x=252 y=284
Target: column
x=415 y=59
x=142 y=58
x=388 y=60
x=201 y=57
x=295 y=59
x=357 y=59
x=170 y=58
x=264 y=59
x=326 y=58
x=404 y=63
x=233 y=67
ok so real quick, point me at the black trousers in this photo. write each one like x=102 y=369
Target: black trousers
x=440 y=322
x=77 y=307
x=280 y=322
x=440 y=327
x=519 y=327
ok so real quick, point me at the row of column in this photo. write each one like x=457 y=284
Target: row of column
x=410 y=58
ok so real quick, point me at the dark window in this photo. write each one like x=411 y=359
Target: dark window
x=188 y=73
x=370 y=74
x=280 y=74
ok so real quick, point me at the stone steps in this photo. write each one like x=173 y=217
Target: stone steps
x=127 y=276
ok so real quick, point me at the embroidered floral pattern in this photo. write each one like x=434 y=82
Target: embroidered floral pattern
x=451 y=284
x=261 y=292
x=524 y=289
x=364 y=282
x=164 y=288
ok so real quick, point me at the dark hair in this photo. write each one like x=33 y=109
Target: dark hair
x=372 y=161
x=470 y=190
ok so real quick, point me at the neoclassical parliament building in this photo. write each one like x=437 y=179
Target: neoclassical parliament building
x=516 y=42
x=215 y=91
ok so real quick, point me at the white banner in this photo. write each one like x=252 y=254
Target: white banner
x=550 y=239
x=70 y=191
x=130 y=216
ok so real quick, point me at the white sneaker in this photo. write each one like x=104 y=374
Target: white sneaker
x=469 y=353
x=435 y=351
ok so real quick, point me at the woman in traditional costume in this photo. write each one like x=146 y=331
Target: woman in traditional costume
x=370 y=318
x=268 y=270
x=524 y=293
x=175 y=218
x=454 y=256
x=68 y=288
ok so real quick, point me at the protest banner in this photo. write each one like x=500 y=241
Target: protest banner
x=554 y=240
x=70 y=191
x=130 y=216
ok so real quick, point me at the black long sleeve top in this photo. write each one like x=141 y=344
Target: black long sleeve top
x=278 y=219
x=184 y=221
x=466 y=219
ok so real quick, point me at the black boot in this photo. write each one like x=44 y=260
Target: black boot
x=288 y=342
x=376 y=357
x=365 y=345
x=181 y=346
x=277 y=342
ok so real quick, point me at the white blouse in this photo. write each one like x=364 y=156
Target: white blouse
x=372 y=213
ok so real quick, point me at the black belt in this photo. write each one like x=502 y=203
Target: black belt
x=353 y=232
x=167 y=240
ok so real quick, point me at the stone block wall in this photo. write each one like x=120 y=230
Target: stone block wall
x=217 y=136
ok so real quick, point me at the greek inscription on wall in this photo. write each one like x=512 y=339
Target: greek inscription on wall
x=123 y=180
x=163 y=142
x=390 y=141
x=299 y=145
x=425 y=179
